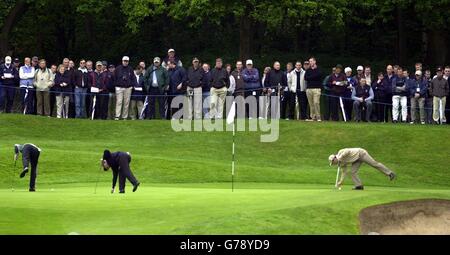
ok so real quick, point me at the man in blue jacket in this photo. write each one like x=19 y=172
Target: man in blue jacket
x=252 y=82
x=417 y=92
x=399 y=96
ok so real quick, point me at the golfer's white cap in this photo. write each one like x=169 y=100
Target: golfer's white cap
x=8 y=60
x=360 y=68
x=348 y=69
x=249 y=62
x=126 y=58
x=170 y=50
x=330 y=158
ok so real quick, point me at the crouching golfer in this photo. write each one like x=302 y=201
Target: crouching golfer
x=119 y=162
x=356 y=156
x=30 y=156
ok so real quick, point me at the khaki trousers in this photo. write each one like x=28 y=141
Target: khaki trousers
x=436 y=108
x=195 y=106
x=414 y=103
x=62 y=106
x=218 y=97
x=364 y=157
x=313 y=96
x=43 y=101
x=123 y=96
x=136 y=109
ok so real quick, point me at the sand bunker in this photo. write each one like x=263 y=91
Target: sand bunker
x=417 y=217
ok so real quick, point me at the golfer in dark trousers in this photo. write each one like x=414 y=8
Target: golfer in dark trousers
x=30 y=156
x=119 y=162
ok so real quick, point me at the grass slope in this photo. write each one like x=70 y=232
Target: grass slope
x=283 y=187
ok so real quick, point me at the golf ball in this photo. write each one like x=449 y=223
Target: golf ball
x=340 y=188
x=52 y=190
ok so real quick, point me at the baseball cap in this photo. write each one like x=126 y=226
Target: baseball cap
x=107 y=156
x=249 y=62
x=418 y=72
x=330 y=159
x=111 y=66
x=439 y=69
x=126 y=58
x=170 y=50
x=35 y=58
x=195 y=60
x=105 y=63
x=157 y=60
x=348 y=69
x=8 y=60
x=16 y=60
x=99 y=63
x=360 y=68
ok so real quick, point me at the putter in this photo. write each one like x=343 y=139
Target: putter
x=337 y=176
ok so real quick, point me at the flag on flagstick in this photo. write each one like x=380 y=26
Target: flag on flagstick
x=230 y=120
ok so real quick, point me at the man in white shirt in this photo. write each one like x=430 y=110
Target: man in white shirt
x=355 y=157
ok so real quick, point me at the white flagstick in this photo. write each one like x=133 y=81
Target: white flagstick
x=93 y=107
x=342 y=107
x=145 y=106
x=230 y=120
x=25 y=102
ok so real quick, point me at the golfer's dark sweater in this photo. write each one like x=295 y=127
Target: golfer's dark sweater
x=29 y=153
x=120 y=161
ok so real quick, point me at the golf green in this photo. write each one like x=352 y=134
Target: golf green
x=284 y=187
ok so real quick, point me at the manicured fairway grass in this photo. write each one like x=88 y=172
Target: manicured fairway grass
x=282 y=188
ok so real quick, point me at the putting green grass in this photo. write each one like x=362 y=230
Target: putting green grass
x=281 y=188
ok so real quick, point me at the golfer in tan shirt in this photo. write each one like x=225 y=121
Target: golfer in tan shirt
x=355 y=157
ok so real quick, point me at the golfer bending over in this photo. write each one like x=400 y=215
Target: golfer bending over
x=120 y=164
x=30 y=155
x=356 y=156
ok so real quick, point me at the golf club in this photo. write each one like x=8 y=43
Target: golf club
x=337 y=176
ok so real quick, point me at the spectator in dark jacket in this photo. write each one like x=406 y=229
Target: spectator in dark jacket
x=399 y=96
x=362 y=96
x=380 y=94
x=137 y=97
x=194 y=81
x=9 y=77
x=63 y=88
x=219 y=81
x=206 y=89
x=156 y=84
x=417 y=93
x=274 y=84
x=337 y=84
x=177 y=80
x=428 y=98
x=99 y=90
x=313 y=77
x=109 y=81
x=439 y=90
x=124 y=82
x=81 y=84
x=252 y=83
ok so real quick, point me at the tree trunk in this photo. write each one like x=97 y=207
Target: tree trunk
x=245 y=37
x=11 y=20
x=437 y=49
x=402 y=50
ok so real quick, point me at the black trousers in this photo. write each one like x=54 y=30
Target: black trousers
x=388 y=107
x=380 y=107
x=34 y=158
x=285 y=99
x=28 y=100
x=302 y=101
x=101 y=106
x=155 y=95
x=123 y=176
x=335 y=107
x=247 y=110
x=10 y=92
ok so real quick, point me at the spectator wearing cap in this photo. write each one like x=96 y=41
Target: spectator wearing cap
x=337 y=84
x=297 y=86
x=195 y=80
x=177 y=81
x=16 y=63
x=439 y=90
x=171 y=57
x=99 y=90
x=137 y=97
x=362 y=96
x=359 y=73
x=124 y=82
x=313 y=77
x=418 y=90
x=43 y=82
x=26 y=74
x=156 y=81
x=109 y=80
x=400 y=94
x=81 y=83
x=220 y=80
x=252 y=83
x=8 y=78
